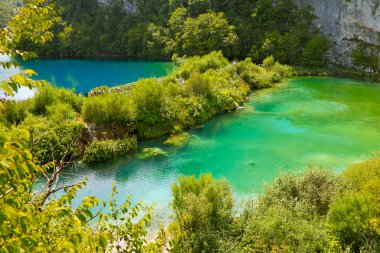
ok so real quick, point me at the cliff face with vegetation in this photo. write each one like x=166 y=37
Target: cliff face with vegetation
x=346 y=23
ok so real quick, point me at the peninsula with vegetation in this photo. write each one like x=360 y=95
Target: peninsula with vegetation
x=224 y=52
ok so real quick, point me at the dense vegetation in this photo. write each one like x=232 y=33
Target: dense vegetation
x=200 y=88
x=32 y=221
x=157 y=29
x=317 y=211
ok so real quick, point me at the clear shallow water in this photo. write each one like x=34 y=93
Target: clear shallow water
x=85 y=74
x=307 y=121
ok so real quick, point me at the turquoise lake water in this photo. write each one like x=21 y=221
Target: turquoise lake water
x=321 y=122
x=85 y=74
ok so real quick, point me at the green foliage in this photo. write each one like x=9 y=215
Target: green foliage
x=162 y=28
x=109 y=108
x=198 y=85
x=353 y=220
x=7 y=10
x=99 y=151
x=208 y=32
x=366 y=56
x=289 y=216
x=365 y=177
x=314 y=53
x=268 y=62
x=17 y=111
x=29 y=221
x=47 y=95
x=53 y=138
x=214 y=60
x=314 y=190
x=202 y=210
x=281 y=229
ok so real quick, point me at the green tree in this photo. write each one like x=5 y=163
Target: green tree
x=206 y=33
x=314 y=54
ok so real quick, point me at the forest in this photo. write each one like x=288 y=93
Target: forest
x=159 y=29
x=223 y=50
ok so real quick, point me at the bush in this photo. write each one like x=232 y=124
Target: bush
x=51 y=140
x=47 y=95
x=16 y=112
x=198 y=85
x=147 y=95
x=60 y=111
x=289 y=216
x=99 y=151
x=314 y=191
x=365 y=177
x=214 y=60
x=202 y=210
x=109 y=108
x=281 y=229
x=353 y=220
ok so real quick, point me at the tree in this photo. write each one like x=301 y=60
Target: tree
x=31 y=221
x=314 y=54
x=206 y=33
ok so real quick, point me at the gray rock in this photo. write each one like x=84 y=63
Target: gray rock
x=345 y=22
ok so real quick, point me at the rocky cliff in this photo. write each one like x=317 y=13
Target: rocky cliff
x=346 y=22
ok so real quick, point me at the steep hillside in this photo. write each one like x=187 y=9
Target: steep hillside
x=346 y=24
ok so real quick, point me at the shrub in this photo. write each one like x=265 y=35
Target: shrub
x=99 y=151
x=147 y=95
x=202 y=210
x=51 y=140
x=109 y=108
x=60 y=111
x=214 y=60
x=354 y=221
x=313 y=191
x=16 y=112
x=364 y=176
x=47 y=95
x=268 y=62
x=280 y=229
x=198 y=85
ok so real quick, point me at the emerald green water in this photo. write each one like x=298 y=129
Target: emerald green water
x=321 y=122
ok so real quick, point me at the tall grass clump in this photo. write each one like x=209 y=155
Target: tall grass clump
x=104 y=150
x=109 y=108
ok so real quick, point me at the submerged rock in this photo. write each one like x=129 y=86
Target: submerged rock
x=179 y=140
x=151 y=152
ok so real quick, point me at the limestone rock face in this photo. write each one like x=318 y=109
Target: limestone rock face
x=345 y=22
